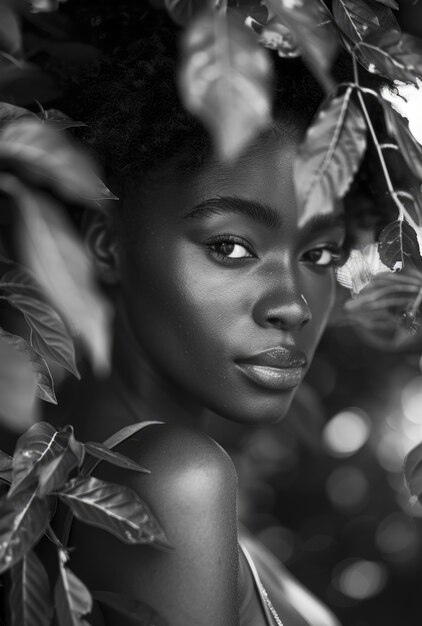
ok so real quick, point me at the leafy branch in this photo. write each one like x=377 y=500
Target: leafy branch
x=48 y=464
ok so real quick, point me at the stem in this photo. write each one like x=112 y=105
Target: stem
x=372 y=130
x=416 y=303
x=324 y=4
x=390 y=187
x=53 y=537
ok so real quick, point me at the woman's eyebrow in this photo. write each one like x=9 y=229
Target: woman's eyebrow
x=319 y=223
x=257 y=211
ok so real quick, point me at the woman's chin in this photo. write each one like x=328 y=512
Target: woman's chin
x=259 y=411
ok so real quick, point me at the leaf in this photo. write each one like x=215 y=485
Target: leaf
x=23 y=519
x=225 y=81
x=41 y=373
x=329 y=156
x=387 y=310
x=276 y=36
x=318 y=45
x=60 y=263
x=34 y=450
x=77 y=447
x=50 y=336
x=11 y=112
x=30 y=601
x=410 y=149
x=398 y=246
x=45 y=157
x=18 y=388
x=250 y=11
x=10 y=32
x=359 y=269
x=114 y=508
x=6 y=464
x=390 y=3
x=59 y=120
x=53 y=476
x=182 y=11
x=392 y=54
x=72 y=598
x=387 y=291
x=100 y=451
x=45 y=6
x=112 y=441
x=145 y=615
x=6 y=461
x=358 y=18
x=56 y=473
x=412 y=469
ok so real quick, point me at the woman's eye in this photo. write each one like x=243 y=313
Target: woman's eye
x=231 y=250
x=323 y=256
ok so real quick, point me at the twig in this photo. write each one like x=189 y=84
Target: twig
x=403 y=213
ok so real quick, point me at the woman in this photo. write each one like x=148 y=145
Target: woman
x=221 y=299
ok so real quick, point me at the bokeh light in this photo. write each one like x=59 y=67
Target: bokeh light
x=346 y=432
x=279 y=540
x=411 y=399
x=347 y=487
x=397 y=538
x=360 y=579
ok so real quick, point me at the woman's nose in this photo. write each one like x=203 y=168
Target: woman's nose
x=286 y=309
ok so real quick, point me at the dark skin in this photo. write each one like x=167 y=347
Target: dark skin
x=210 y=270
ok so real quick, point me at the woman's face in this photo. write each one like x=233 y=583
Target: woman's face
x=225 y=293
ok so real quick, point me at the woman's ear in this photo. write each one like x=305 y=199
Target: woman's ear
x=101 y=241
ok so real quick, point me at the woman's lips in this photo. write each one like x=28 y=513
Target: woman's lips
x=278 y=368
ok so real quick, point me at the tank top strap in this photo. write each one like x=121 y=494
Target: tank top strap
x=91 y=463
x=270 y=614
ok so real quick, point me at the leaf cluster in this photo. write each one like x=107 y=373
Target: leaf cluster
x=48 y=464
x=42 y=171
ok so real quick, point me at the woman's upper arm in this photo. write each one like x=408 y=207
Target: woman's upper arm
x=192 y=492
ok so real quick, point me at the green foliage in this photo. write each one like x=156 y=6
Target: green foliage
x=30 y=598
x=183 y=11
x=395 y=55
x=43 y=381
x=399 y=246
x=413 y=471
x=129 y=607
x=307 y=22
x=114 y=508
x=330 y=155
x=49 y=335
x=225 y=81
x=49 y=464
x=72 y=597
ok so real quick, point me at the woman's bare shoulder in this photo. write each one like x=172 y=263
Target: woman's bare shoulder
x=179 y=457
x=191 y=490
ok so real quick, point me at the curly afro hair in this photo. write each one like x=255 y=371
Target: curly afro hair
x=135 y=120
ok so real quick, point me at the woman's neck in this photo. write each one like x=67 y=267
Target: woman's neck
x=133 y=392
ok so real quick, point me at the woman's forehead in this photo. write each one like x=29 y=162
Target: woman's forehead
x=263 y=174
